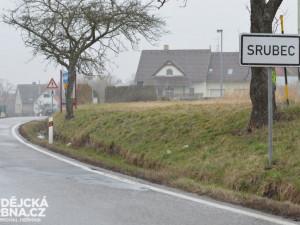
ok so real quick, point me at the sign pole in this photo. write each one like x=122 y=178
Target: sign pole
x=285 y=73
x=61 y=86
x=75 y=90
x=52 y=85
x=270 y=114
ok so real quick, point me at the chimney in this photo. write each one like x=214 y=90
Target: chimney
x=166 y=47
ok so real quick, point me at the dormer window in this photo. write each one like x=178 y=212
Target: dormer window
x=169 y=72
x=169 y=69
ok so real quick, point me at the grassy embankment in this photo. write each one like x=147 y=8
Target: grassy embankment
x=201 y=147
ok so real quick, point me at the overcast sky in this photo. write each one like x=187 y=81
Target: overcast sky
x=192 y=27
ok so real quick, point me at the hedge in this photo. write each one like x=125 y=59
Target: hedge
x=115 y=94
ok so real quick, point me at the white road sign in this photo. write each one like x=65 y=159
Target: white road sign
x=269 y=50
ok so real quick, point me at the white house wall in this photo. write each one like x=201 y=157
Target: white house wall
x=41 y=100
x=199 y=88
x=292 y=81
x=213 y=88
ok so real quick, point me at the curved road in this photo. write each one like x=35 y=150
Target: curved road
x=81 y=194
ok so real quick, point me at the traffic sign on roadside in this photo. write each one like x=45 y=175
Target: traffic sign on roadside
x=52 y=84
x=269 y=50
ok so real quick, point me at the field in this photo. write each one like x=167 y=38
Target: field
x=200 y=146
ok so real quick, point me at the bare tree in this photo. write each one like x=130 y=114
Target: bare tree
x=78 y=34
x=6 y=89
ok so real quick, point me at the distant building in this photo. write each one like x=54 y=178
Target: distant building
x=192 y=74
x=31 y=98
x=44 y=101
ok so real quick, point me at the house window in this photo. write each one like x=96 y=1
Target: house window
x=140 y=83
x=230 y=71
x=170 y=91
x=159 y=91
x=192 y=91
x=169 y=72
x=46 y=96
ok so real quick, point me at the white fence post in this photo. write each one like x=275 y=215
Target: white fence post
x=50 y=130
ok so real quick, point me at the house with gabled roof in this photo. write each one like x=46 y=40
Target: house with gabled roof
x=32 y=98
x=25 y=97
x=191 y=74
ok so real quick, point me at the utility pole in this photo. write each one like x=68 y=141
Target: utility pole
x=221 y=58
x=298 y=33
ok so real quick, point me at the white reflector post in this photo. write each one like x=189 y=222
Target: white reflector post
x=50 y=130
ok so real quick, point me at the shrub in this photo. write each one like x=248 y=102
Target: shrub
x=130 y=94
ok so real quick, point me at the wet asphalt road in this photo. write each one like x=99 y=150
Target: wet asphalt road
x=76 y=196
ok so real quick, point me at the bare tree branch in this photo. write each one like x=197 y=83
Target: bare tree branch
x=79 y=34
x=6 y=89
x=163 y=2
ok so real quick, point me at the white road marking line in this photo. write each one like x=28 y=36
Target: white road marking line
x=153 y=188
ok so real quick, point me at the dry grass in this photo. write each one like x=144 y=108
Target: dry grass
x=237 y=98
x=281 y=94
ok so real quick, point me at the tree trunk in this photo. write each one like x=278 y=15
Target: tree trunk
x=262 y=15
x=259 y=97
x=69 y=93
